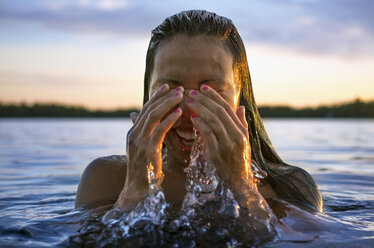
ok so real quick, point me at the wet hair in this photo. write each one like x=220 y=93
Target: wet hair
x=291 y=183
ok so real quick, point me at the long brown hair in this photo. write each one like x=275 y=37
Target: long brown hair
x=290 y=183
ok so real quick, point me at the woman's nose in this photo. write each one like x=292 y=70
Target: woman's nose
x=186 y=92
x=186 y=111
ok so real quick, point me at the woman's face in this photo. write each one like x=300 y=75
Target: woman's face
x=190 y=62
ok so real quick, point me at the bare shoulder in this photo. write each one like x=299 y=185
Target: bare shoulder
x=101 y=181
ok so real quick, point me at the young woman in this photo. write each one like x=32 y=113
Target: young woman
x=197 y=76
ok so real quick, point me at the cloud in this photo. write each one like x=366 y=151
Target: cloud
x=82 y=17
x=344 y=28
x=338 y=27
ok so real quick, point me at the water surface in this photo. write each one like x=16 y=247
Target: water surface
x=41 y=161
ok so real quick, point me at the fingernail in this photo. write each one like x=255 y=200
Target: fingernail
x=193 y=116
x=163 y=87
x=177 y=110
x=194 y=92
x=205 y=88
x=189 y=100
x=177 y=94
x=179 y=88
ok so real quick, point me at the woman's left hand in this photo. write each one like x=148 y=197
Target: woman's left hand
x=227 y=147
x=225 y=134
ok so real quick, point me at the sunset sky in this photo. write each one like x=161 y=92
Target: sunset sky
x=92 y=53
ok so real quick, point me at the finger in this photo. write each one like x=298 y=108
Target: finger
x=216 y=110
x=210 y=140
x=133 y=116
x=211 y=93
x=160 y=131
x=241 y=115
x=159 y=93
x=156 y=115
x=216 y=121
x=161 y=101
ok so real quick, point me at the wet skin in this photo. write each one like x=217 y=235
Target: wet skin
x=192 y=84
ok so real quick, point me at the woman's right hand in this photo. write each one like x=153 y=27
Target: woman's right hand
x=144 y=143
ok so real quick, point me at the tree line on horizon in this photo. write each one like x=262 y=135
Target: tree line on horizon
x=354 y=109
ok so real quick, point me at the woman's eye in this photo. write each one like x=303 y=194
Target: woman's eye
x=219 y=90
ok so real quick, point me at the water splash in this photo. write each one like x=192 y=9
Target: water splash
x=211 y=204
x=201 y=180
x=210 y=214
x=150 y=211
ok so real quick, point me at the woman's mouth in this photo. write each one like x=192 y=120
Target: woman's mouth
x=185 y=138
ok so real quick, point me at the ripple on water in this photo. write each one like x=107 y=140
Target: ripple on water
x=39 y=151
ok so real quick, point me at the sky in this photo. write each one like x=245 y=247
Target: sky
x=92 y=52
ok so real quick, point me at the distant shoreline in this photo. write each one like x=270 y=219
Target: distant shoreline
x=354 y=109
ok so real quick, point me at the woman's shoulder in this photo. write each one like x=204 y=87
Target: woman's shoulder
x=102 y=180
x=113 y=161
x=104 y=166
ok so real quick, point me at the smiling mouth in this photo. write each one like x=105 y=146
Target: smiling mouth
x=185 y=138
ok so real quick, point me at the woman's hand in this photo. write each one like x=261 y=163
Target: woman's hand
x=227 y=147
x=225 y=135
x=144 y=143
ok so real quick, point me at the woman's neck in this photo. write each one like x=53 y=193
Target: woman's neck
x=174 y=165
x=174 y=184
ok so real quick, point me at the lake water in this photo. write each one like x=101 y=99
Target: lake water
x=41 y=161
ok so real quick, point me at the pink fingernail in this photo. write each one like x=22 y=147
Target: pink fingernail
x=193 y=116
x=177 y=110
x=179 y=88
x=177 y=94
x=206 y=88
x=194 y=92
x=163 y=87
x=189 y=100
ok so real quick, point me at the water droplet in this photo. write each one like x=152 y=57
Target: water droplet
x=209 y=207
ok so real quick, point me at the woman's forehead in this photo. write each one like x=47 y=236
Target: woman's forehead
x=185 y=45
x=199 y=55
